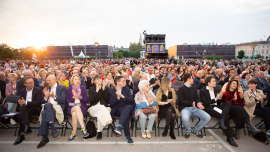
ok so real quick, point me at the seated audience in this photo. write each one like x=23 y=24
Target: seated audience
x=166 y=106
x=262 y=82
x=254 y=104
x=145 y=108
x=99 y=105
x=30 y=105
x=122 y=104
x=190 y=105
x=211 y=99
x=63 y=81
x=76 y=100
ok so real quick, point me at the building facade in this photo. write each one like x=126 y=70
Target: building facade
x=201 y=51
x=64 y=52
x=248 y=48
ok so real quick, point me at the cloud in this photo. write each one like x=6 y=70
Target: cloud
x=119 y=22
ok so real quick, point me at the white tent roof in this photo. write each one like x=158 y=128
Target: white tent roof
x=81 y=55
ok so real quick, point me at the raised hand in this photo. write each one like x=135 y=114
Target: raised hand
x=235 y=96
x=46 y=92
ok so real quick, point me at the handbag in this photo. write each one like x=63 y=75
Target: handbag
x=261 y=137
x=149 y=110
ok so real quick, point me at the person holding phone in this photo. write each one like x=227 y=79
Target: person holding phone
x=166 y=106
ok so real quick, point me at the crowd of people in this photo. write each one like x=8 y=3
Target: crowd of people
x=139 y=89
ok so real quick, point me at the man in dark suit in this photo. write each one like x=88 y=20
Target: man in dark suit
x=143 y=76
x=211 y=100
x=231 y=72
x=262 y=82
x=190 y=105
x=20 y=85
x=30 y=101
x=199 y=81
x=2 y=89
x=155 y=82
x=54 y=95
x=267 y=91
x=122 y=105
x=219 y=77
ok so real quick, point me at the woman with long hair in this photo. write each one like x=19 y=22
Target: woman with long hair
x=166 y=106
x=237 y=112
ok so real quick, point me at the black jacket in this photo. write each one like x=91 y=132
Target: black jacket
x=20 y=86
x=206 y=98
x=183 y=97
x=101 y=96
x=135 y=88
x=36 y=98
x=3 y=89
x=197 y=84
x=218 y=80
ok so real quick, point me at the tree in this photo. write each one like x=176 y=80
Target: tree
x=241 y=54
x=126 y=54
x=210 y=57
x=214 y=63
x=134 y=47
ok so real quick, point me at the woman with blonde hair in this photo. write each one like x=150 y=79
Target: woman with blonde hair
x=136 y=73
x=11 y=91
x=166 y=106
x=76 y=100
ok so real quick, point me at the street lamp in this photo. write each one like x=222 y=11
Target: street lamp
x=196 y=54
x=99 y=54
x=96 y=45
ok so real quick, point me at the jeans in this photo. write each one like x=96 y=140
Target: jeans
x=142 y=119
x=187 y=112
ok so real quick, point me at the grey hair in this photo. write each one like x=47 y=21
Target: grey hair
x=1 y=72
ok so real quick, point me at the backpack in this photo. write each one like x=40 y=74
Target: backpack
x=91 y=129
x=3 y=110
x=261 y=136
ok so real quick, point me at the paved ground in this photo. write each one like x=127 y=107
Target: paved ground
x=213 y=141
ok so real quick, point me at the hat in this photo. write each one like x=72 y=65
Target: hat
x=91 y=129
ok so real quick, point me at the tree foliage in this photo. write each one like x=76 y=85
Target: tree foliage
x=210 y=57
x=134 y=47
x=241 y=54
x=8 y=52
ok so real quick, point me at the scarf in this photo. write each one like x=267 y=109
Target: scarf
x=141 y=97
x=76 y=89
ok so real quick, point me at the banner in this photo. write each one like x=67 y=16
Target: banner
x=71 y=49
x=255 y=52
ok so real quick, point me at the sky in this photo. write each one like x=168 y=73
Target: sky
x=118 y=22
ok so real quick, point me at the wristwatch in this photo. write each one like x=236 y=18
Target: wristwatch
x=54 y=98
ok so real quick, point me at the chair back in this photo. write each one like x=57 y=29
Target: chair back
x=12 y=99
x=175 y=87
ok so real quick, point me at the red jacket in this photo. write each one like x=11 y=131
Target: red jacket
x=228 y=97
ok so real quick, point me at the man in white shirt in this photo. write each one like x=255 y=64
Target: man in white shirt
x=30 y=101
x=54 y=95
x=150 y=74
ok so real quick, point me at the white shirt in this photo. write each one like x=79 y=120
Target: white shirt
x=54 y=92
x=29 y=96
x=150 y=76
x=212 y=95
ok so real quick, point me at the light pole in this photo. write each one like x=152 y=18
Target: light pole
x=197 y=55
x=96 y=45
x=99 y=54
x=204 y=52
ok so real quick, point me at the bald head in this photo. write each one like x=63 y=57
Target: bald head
x=51 y=79
x=261 y=74
x=27 y=73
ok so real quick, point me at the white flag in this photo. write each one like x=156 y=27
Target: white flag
x=85 y=49
x=71 y=49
